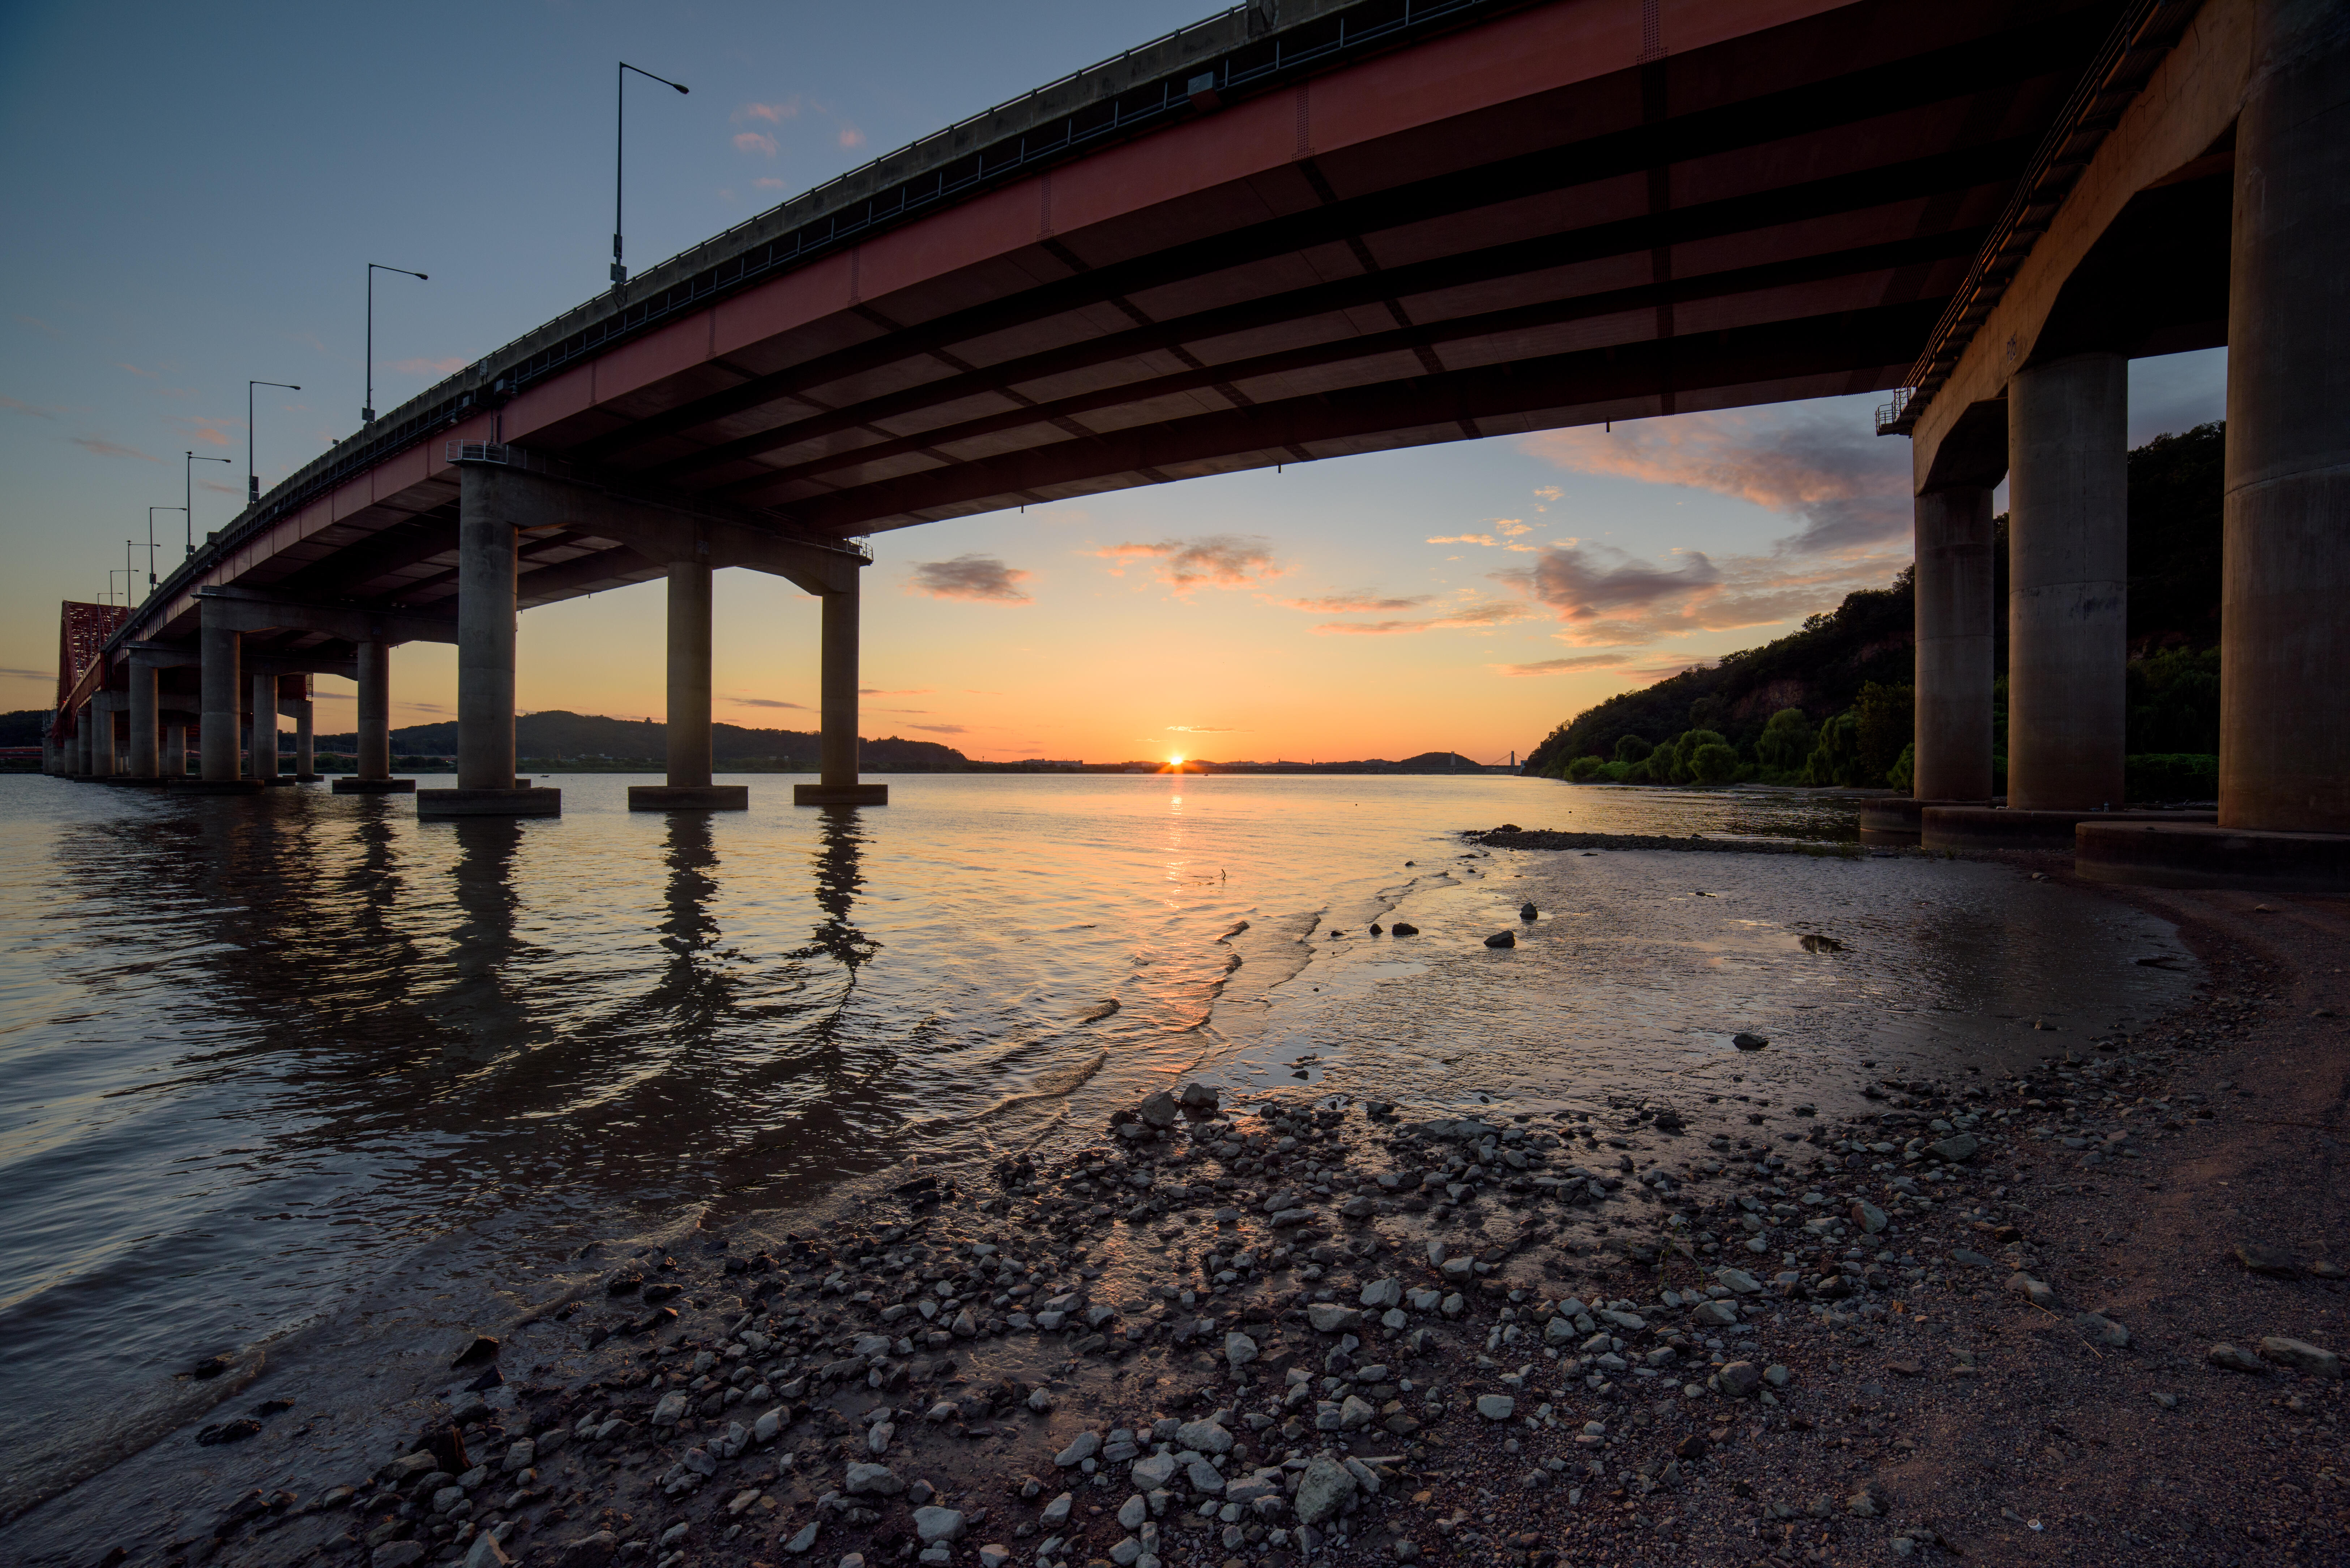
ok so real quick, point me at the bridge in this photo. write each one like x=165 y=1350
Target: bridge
x=1304 y=229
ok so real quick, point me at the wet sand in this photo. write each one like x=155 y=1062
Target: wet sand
x=1919 y=1403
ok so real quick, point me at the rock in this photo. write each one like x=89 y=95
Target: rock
x=483 y=1348
x=2036 y=1292
x=1160 y=1110
x=520 y=1456
x=2261 y=1260
x=1383 y=1293
x=1086 y=1446
x=1403 y=928
x=2302 y=1356
x=1739 y=1378
x=1692 y=1448
x=1869 y=1218
x=1056 y=1512
x=486 y=1552
x=1329 y=1317
x=1133 y=1512
x=872 y=1480
x=1496 y=1406
x=1955 y=1150
x=1238 y=1350
x=397 y=1553
x=2103 y=1330
x=995 y=1554
x=1527 y=912
x=588 y=1551
x=1203 y=1436
x=1356 y=1412
x=933 y=1525
x=1971 y=1259
x=803 y=1541
x=1713 y=1314
x=1322 y=1490
x=764 y=1429
x=1558 y=1331
x=1501 y=940
x=671 y=1410
x=1153 y=1471
x=2227 y=1358
x=1738 y=1281
x=1204 y=1476
x=1745 y=1042
x=1200 y=1097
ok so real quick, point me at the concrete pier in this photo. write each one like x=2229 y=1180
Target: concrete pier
x=1955 y=644
x=146 y=737
x=306 y=736
x=221 y=649
x=1969 y=829
x=265 y=729
x=486 y=787
x=101 y=738
x=374 y=724
x=2068 y=569
x=171 y=760
x=837 y=784
x=689 y=787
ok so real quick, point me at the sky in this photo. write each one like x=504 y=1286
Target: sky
x=195 y=193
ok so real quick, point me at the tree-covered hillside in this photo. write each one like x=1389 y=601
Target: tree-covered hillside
x=1831 y=703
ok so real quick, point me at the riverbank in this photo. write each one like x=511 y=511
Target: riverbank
x=902 y=1373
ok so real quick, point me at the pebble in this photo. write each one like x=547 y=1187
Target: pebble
x=2301 y=1356
x=1496 y=1406
x=2227 y=1358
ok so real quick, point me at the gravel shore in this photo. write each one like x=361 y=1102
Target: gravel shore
x=2090 y=1312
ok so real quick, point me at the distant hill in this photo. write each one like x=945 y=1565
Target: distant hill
x=23 y=727
x=1848 y=671
x=560 y=735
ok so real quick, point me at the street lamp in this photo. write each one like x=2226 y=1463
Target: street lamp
x=367 y=414
x=619 y=121
x=187 y=475
x=252 y=479
x=117 y=572
x=152 y=545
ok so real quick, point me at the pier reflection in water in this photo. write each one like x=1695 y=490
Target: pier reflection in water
x=254 y=1053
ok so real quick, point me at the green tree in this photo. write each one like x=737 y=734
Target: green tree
x=1583 y=768
x=1785 y=741
x=1886 y=720
x=1903 y=774
x=1632 y=749
x=1713 y=762
x=1835 y=759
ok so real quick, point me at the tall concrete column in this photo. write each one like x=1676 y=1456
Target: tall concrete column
x=173 y=758
x=2068 y=569
x=485 y=634
x=145 y=738
x=1955 y=629
x=374 y=707
x=2285 y=622
x=221 y=648
x=689 y=787
x=101 y=738
x=264 y=727
x=299 y=708
x=689 y=673
x=837 y=780
x=493 y=502
x=77 y=747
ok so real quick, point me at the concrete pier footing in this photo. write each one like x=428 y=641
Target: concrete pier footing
x=519 y=801
x=1968 y=829
x=2205 y=854
x=840 y=794
x=1900 y=820
x=374 y=787
x=185 y=785
x=689 y=797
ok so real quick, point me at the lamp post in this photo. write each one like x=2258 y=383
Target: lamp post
x=117 y=572
x=367 y=414
x=152 y=545
x=620 y=126
x=253 y=479
x=188 y=477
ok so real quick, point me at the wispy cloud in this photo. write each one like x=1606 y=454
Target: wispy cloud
x=1204 y=729
x=772 y=113
x=1820 y=464
x=1486 y=539
x=1343 y=604
x=29 y=674
x=980 y=577
x=851 y=137
x=38 y=325
x=449 y=365
x=754 y=141
x=767 y=183
x=206 y=432
x=148 y=375
x=16 y=407
x=907 y=691
x=941 y=729
x=767 y=703
x=1492 y=612
x=1607 y=598
x=217 y=488
x=105 y=448
x=1565 y=666
x=1214 y=560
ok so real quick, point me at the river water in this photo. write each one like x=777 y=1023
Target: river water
x=257 y=1057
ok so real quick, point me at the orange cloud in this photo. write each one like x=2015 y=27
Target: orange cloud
x=1463 y=539
x=448 y=366
x=772 y=113
x=1493 y=612
x=1341 y=604
x=754 y=141
x=1217 y=560
x=1565 y=666
x=15 y=407
x=766 y=182
x=971 y=577
x=1610 y=600
x=851 y=137
x=105 y=448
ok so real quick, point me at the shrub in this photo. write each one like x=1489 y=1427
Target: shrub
x=2174 y=775
x=1583 y=768
x=1713 y=762
x=1903 y=774
x=1632 y=749
x=1835 y=760
x=1886 y=716
x=1786 y=740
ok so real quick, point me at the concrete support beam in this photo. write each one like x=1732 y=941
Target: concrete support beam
x=374 y=725
x=294 y=702
x=264 y=727
x=2068 y=567
x=221 y=645
x=2284 y=747
x=146 y=738
x=689 y=787
x=838 y=783
x=252 y=609
x=1954 y=645
x=101 y=734
x=489 y=507
x=171 y=760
